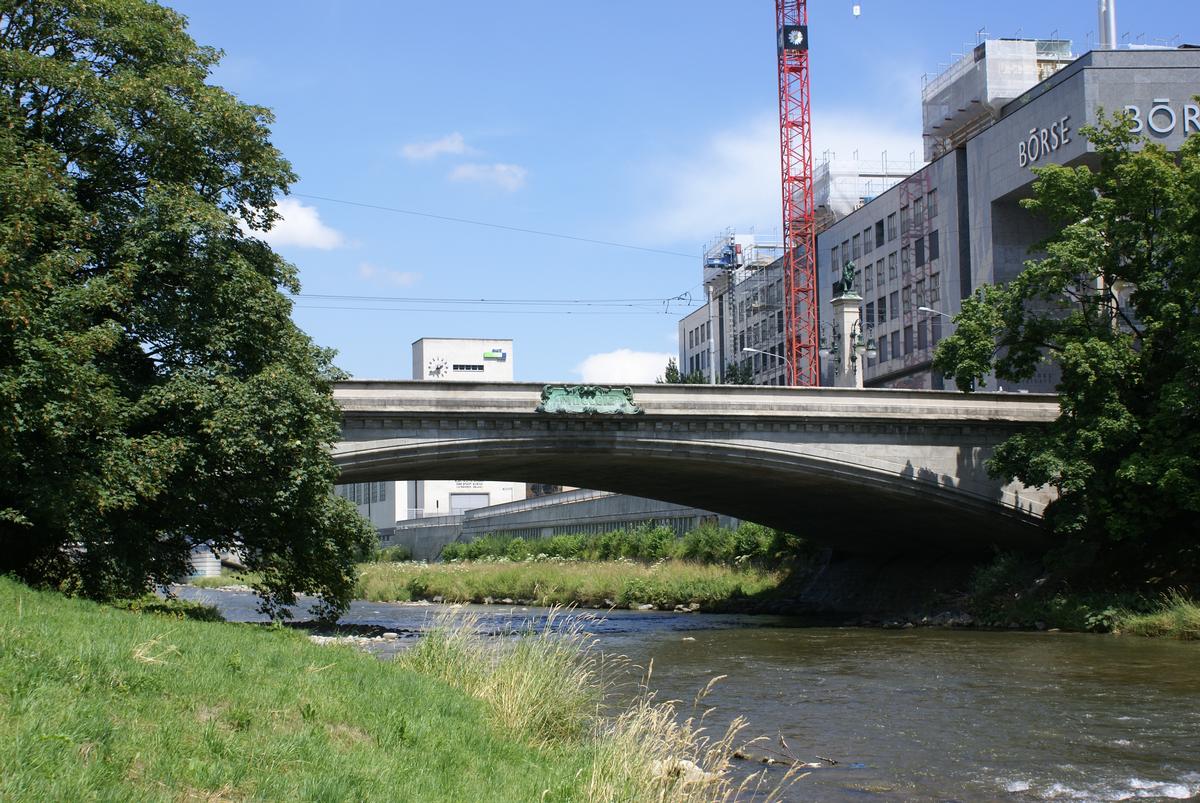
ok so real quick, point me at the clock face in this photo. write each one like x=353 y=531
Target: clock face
x=437 y=368
x=793 y=37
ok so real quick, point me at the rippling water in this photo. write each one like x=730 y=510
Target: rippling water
x=909 y=714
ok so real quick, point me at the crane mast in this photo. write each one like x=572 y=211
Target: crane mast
x=801 y=330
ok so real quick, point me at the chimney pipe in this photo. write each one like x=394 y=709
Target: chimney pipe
x=1107 y=11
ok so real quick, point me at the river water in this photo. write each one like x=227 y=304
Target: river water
x=917 y=714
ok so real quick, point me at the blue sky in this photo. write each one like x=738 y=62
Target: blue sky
x=644 y=122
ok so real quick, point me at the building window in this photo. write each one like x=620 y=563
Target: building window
x=870 y=312
x=920 y=299
x=845 y=254
x=919 y=213
x=868 y=284
x=879 y=234
x=833 y=259
x=935 y=330
x=461 y=367
x=920 y=252
x=691 y=338
x=934 y=293
x=883 y=349
x=856 y=248
x=891 y=226
x=908 y=340
x=894 y=301
x=906 y=298
x=934 y=248
x=882 y=310
x=905 y=223
x=922 y=336
x=892 y=265
x=905 y=260
x=879 y=272
x=779 y=321
x=932 y=203
x=895 y=345
x=868 y=241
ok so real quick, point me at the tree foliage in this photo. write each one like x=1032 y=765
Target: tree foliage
x=154 y=392
x=1115 y=304
x=673 y=376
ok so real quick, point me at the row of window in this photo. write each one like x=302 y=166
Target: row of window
x=926 y=249
x=918 y=336
x=908 y=298
x=467 y=367
x=700 y=334
x=363 y=493
x=698 y=362
x=924 y=208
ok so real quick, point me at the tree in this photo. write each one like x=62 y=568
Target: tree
x=154 y=392
x=1115 y=304
x=739 y=373
x=673 y=376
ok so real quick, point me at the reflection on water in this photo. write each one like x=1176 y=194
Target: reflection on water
x=911 y=714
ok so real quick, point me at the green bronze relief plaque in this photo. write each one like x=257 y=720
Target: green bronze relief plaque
x=588 y=400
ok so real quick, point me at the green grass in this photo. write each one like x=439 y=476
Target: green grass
x=98 y=703
x=552 y=582
x=749 y=544
x=226 y=578
x=1175 y=616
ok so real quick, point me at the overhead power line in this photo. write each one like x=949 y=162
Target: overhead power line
x=509 y=306
x=501 y=226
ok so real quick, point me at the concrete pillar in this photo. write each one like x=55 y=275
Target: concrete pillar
x=845 y=317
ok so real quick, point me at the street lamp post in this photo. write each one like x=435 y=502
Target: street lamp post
x=786 y=364
x=935 y=312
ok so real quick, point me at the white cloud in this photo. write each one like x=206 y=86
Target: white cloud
x=624 y=366
x=505 y=176
x=397 y=278
x=301 y=226
x=733 y=179
x=451 y=144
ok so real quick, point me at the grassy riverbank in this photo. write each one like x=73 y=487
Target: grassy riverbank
x=1010 y=590
x=558 y=582
x=100 y=703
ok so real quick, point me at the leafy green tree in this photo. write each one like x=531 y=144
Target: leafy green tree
x=739 y=373
x=154 y=392
x=673 y=376
x=1115 y=304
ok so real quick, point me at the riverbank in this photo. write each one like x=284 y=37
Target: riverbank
x=1004 y=594
x=666 y=585
x=111 y=704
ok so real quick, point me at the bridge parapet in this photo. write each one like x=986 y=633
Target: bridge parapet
x=370 y=397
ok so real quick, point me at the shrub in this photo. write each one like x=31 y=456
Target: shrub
x=749 y=543
x=393 y=554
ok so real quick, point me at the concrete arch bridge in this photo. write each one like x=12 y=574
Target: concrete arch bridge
x=879 y=470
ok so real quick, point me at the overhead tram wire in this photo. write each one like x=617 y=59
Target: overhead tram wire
x=501 y=226
x=481 y=312
x=518 y=306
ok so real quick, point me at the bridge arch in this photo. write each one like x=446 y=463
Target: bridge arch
x=861 y=470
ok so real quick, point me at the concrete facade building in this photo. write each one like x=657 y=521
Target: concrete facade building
x=743 y=309
x=956 y=223
x=441 y=359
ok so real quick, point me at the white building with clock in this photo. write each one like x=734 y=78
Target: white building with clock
x=439 y=359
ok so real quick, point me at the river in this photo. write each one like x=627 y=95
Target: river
x=919 y=714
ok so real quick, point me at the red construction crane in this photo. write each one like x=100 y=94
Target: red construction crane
x=799 y=230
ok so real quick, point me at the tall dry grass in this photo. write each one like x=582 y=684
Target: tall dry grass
x=550 y=687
